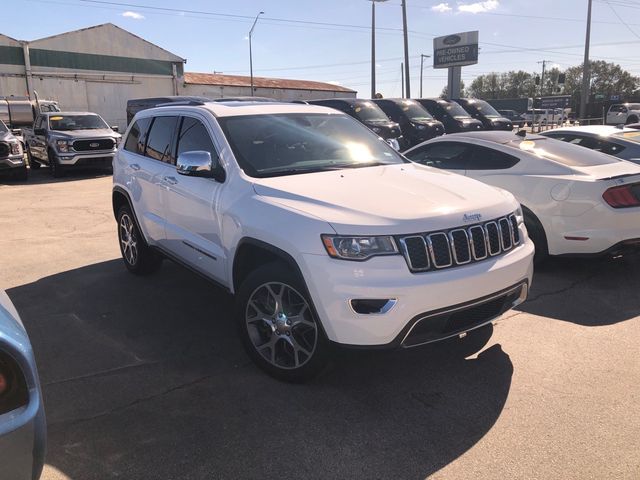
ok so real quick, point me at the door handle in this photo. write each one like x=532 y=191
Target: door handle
x=135 y=167
x=170 y=180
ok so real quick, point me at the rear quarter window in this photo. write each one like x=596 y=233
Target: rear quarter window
x=563 y=153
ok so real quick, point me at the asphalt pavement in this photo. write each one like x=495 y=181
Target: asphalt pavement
x=145 y=378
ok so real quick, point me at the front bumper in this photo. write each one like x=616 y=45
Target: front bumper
x=334 y=283
x=12 y=161
x=22 y=449
x=98 y=158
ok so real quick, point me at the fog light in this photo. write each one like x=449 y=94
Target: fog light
x=372 y=306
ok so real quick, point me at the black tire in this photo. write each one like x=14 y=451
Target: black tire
x=33 y=164
x=137 y=256
x=537 y=236
x=297 y=351
x=55 y=168
x=631 y=119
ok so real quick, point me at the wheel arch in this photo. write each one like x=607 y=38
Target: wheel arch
x=119 y=198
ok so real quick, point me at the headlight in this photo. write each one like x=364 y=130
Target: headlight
x=116 y=141
x=15 y=148
x=375 y=129
x=62 y=145
x=358 y=248
x=519 y=215
x=419 y=126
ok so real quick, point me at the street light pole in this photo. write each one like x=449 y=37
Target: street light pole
x=407 y=78
x=250 y=52
x=373 y=46
x=585 y=67
x=422 y=57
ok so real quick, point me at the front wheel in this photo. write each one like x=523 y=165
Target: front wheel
x=138 y=257
x=54 y=167
x=278 y=326
x=33 y=164
x=538 y=237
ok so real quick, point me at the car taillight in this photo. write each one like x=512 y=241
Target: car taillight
x=624 y=196
x=13 y=388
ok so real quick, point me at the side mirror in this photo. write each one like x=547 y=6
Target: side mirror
x=39 y=131
x=199 y=163
x=115 y=128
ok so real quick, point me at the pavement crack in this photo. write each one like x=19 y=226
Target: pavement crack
x=135 y=402
x=100 y=373
x=571 y=286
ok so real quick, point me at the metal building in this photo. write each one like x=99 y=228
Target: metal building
x=96 y=69
x=215 y=85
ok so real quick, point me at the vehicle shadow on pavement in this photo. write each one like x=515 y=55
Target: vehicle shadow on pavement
x=146 y=378
x=43 y=176
x=589 y=292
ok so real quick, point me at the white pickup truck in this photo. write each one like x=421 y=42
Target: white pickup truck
x=623 y=113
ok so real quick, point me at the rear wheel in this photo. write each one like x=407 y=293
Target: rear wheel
x=631 y=119
x=138 y=257
x=278 y=326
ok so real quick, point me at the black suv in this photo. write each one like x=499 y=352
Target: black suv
x=453 y=116
x=484 y=112
x=367 y=112
x=416 y=122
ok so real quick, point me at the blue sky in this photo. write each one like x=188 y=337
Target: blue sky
x=293 y=39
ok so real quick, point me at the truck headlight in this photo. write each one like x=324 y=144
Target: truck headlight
x=419 y=126
x=358 y=248
x=15 y=148
x=62 y=145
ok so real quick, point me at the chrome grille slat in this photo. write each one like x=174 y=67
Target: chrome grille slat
x=431 y=251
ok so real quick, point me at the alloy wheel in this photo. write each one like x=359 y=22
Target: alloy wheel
x=128 y=240
x=281 y=325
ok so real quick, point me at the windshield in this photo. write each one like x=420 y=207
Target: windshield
x=415 y=112
x=631 y=136
x=563 y=153
x=288 y=144
x=370 y=112
x=3 y=127
x=65 y=123
x=485 y=109
x=455 y=110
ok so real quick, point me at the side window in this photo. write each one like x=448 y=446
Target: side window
x=39 y=122
x=490 y=159
x=446 y=155
x=608 y=147
x=194 y=136
x=160 y=139
x=137 y=136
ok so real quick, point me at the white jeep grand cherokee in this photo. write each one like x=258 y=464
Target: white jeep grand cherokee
x=322 y=231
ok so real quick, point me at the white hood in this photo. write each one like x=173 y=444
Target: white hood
x=396 y=199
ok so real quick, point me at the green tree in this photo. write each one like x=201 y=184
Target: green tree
x=607 y=79
x=445 y=90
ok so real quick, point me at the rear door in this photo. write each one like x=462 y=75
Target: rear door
x=148 y=151
x=193 y=228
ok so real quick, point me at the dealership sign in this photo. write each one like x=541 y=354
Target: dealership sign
x=455 y=50
x=559 y=101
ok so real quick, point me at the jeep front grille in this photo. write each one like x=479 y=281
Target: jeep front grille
x=459 y=246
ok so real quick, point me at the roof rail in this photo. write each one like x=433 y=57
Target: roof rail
x=189 y=103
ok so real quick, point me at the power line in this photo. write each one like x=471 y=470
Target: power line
x=621 y=20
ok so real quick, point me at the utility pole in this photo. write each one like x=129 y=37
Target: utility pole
x=544 y=64
x=406 y=49
x=373 y=46
x=586 y=80
x=250 y=53
x=402 y=77
x=422 y=57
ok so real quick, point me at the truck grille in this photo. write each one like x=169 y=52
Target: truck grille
x=90 y=145
x=459 y=246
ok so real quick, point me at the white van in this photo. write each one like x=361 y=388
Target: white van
x=623 y=113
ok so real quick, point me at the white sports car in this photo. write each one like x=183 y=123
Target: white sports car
x=575 y=201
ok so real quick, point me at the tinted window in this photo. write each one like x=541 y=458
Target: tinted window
x=137 y=136
x=76 y=122
x=39 y=122
x=446 y=155
x=455 y=110
x=617 y=108
x=160 y=141
x=194 y=136
x=369 y=112
x=489 y=159
x=563 y=153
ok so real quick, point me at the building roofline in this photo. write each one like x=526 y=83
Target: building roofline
x=262 y=82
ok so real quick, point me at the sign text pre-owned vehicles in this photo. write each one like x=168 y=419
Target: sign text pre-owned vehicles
x=322 y=231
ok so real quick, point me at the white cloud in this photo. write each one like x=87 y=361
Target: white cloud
x=479 y=7
x=441 y=8
x=134 y=15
